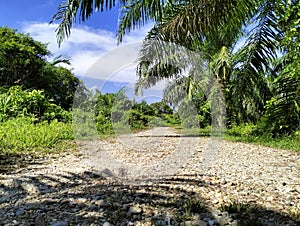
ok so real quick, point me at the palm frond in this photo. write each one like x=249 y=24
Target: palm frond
x=67 y=15
x=203 y=19
x=69 y=10
x=283 y=110
x=136 y=13
x=254 y=64
x=160 y=60
x=61 y=59
x=260 y=49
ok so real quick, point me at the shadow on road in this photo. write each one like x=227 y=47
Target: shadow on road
x=90 y=199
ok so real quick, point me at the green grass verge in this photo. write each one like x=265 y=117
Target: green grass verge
x=244 y=134
x=288 y=142
x=22 y=135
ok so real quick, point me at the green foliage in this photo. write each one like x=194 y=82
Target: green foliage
x=103 y=110
x=84 y=125
x=282 y=115
x=234 y=207
x=242 y=130
x=191 y=206
x=194 y=206
x=159 y=109
x=295 y=213
x=21 y=135
x=252 y=134
x=21 y=58
x=171 y=119
x=23 y=62
x=137 y=120
x=17 y=102
x=59 y=84
x=111 y=113
x=188 y=114
x=255 y=86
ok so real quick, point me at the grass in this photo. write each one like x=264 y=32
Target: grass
x=234 y=207
x=288 y=143
x=191 y=206
x=205 y=132
x=295 y=213
x=245 y=134
x=22 y=135
x=243 y=212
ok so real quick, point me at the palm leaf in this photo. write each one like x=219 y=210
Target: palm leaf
x=254 y=65
x=69 y=10
x=136 y=13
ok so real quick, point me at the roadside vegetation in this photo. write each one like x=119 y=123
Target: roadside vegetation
x=36 y=100
x=255 y=87
x=252 y=91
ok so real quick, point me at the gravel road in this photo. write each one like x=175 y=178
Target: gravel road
x=156 y=177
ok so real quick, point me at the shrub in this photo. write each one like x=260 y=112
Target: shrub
x=25 y=103
x=243 y=130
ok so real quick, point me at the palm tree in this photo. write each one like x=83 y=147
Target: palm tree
x=209 y=27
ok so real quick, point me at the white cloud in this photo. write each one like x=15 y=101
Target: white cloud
x=95 y=54
x=115 y=61
x=87 y=46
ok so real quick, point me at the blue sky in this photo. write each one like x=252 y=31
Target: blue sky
x=14 y=13
x=88 y=44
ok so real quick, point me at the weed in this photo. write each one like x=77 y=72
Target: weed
x=234 y=207
x=246 y=134
x=191 y=206
x=295 y=213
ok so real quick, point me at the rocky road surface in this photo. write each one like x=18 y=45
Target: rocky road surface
x=156 y=177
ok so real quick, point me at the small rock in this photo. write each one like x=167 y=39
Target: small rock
x=161 y=222
x=20 y=212
x=211 y=222
x=100 y=203
x=59 y=223
x=81 y=200
x=234 y=223
x=195 y=223
x=134 y=210
x=106 y=224
x=48 y=201
x=41 y=220
x=30 y=188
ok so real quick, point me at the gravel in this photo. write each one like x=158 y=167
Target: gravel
x=156 y=177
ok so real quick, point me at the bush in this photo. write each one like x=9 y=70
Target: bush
x=137 y=120
x=243 y=130
x=34 y=104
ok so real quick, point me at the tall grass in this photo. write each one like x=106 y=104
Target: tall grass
x=247 y=133
x=21 y=135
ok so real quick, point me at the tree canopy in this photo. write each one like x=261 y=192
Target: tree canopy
x=24 y=62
